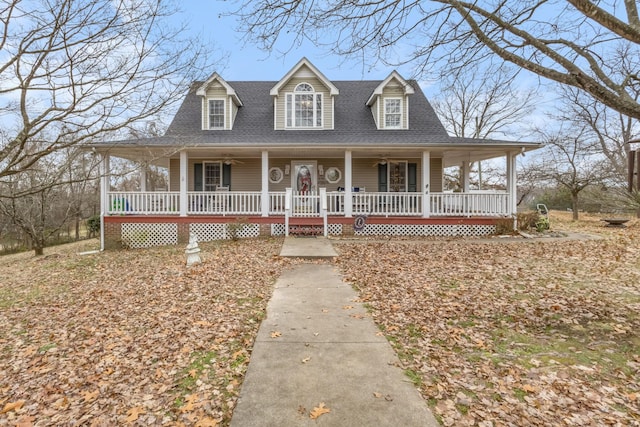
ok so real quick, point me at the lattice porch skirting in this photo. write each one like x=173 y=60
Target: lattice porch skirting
x=144 y=232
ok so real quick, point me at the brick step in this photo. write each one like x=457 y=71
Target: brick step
x=306 y=230
x=305 y=221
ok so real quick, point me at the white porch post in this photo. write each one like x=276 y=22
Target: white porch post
x=464 y=176
x=105 y=187
x=512 y=204
x=184 y=182
x=426 y=183
x=348 y=185
x=264 y=198
x=143 y=177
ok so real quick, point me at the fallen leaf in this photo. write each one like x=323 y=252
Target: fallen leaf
x=207 y=422
x=203 y=323
x=319 y=410
x=347 y=307
x=377 y=395
x=90 y=396
x=12 y=406
x=25 y=421
x=189 y=405
x=306 y=359
x=133 y=413
x=275 y=334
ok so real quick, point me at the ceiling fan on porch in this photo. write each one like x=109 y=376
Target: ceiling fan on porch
x=229 y=161
x=383 y=161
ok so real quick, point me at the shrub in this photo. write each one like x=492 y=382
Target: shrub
x=504 y=226
x=93 y=225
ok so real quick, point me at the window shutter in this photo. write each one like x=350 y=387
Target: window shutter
x=412 y=180
x=197 y=177
x=382 y=178
x=226 y=175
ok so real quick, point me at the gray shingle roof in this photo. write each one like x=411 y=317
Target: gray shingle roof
x=353 y=119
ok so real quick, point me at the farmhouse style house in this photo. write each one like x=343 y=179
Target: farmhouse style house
x=304 y=154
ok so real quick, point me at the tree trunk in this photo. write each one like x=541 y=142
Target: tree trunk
x=39 y=250
x=77 y=226
x=574 y=205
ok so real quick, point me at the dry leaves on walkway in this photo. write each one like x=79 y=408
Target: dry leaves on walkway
x=131 y=336
x=498 y=334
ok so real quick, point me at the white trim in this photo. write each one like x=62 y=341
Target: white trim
x=290 y=110
x=204 y=173
x=333 y=90
x=384 y=116
x=377 y=92
x=275 y=114
x=184 y=182
x=348 y=184
x=333 y=112
x=202 y=90
x=208 y=113
x=105 y=187
x=264 y=197
x=426 y=184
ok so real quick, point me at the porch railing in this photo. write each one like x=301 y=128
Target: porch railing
x=308 y=204
x=469 y=204
x=136 y=202
x=224 y=203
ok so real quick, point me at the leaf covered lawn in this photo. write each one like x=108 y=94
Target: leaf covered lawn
x=543 y=333
x=130 y=337
x=498 y=333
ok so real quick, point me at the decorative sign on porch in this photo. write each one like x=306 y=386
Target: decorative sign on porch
x=359 y=222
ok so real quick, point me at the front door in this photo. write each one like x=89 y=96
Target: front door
x=304 y=183
x=304 y=178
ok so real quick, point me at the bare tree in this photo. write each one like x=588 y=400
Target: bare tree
x=573 y=42
x=482 y=105
x=610 y=130
x=570 y=160
x=82 y=70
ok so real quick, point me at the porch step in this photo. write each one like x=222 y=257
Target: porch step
x=306 y=227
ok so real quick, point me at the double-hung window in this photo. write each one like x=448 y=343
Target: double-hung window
x=303 y=107
x=216 y=114
x=393 y=113
x=397 y=178
x=212 y=178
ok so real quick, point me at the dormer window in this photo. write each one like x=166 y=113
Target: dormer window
x=216 y=113
x=303 y=107
x=393 y=113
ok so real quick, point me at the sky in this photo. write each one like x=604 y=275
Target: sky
x=247 y=62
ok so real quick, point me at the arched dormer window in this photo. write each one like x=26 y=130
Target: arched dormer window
x=303 y=107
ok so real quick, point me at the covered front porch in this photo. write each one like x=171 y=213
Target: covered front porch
x=274 y=191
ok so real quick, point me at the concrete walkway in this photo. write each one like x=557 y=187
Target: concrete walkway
x=307 y=247
x=318 y=345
